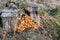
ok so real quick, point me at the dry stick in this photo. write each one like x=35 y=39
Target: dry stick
x=14 y=28
x=4 y=34
x=3 y=31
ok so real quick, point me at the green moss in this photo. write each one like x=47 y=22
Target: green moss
x=53 y=11
x=55 y=35
x=57 y=25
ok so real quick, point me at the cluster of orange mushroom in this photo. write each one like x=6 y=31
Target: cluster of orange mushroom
x=26 y=22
